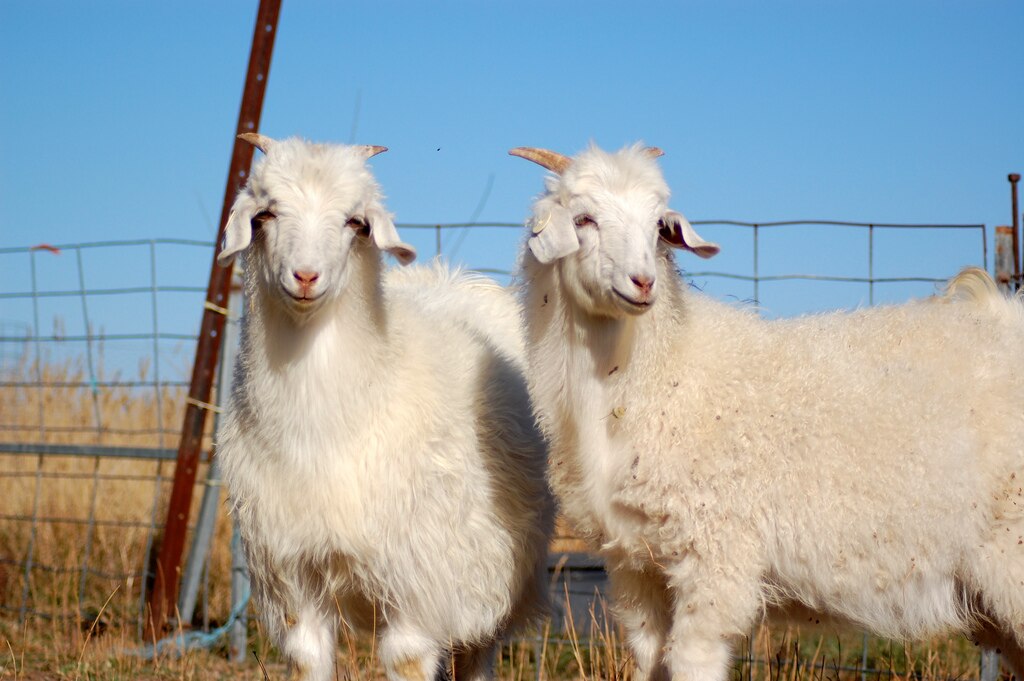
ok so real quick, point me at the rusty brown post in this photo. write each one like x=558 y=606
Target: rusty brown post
x=1004 y=259
x=164 y=595
x=1014 y=178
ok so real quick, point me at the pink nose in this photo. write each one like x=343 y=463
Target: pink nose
x=305 y=279
x=644 y=284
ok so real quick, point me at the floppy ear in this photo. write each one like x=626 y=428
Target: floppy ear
x=553 y=234
x=676 y=231
x=237 y=231
x=385 y=236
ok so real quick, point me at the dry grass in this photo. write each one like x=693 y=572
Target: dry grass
x=87 y=628
x=96 y=513
x=47 y=650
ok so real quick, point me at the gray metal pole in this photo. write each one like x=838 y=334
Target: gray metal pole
x=989 y=665
x=238 y=638
x=192 y=574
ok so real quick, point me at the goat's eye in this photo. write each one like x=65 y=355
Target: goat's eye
x=359 y=225
x=584 y=220
x=261 y=217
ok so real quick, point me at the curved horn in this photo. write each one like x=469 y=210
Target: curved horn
x=551 y=160
x=369 y=150
x=654 y=152
x=261 y=142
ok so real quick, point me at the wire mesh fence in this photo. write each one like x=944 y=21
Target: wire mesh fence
x=784 y=267
x=95 y=352
x=848 y=255
x=97 y=340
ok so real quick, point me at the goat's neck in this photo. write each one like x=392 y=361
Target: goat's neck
x=328 y=373
x=578 y=366
x=607 y=343
x=352 y=326
x=587 y=353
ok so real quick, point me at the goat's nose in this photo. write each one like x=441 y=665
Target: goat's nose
x=305 y=278
x=644 y=283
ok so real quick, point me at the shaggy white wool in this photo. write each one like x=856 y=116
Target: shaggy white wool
x=865 y=465
x=379 y=447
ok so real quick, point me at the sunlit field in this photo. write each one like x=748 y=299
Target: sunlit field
x=66 y=623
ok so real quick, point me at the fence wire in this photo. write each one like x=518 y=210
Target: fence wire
x=96 y=345
x=89 y=412
x=861 y=263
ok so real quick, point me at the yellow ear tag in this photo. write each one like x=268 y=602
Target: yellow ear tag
x=539 y=227
x=619 y=412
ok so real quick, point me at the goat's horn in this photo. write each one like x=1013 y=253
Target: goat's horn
x=369 y=150
x=654 y=152
x=261 y=142
x=551 y=160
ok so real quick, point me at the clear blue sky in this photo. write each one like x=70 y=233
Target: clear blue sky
x=116 y=118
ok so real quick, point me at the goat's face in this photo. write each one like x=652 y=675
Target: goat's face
x=306 y=210
x=601 y=221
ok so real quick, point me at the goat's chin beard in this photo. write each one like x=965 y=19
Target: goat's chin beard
x=303 y=311
x=603 y=304
x=628 y=308
x=597 y=300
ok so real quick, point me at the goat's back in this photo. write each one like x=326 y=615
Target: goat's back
x=478 y=304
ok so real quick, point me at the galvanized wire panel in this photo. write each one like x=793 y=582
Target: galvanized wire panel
x=96 y=341
x=78 y=547
x=91 y=392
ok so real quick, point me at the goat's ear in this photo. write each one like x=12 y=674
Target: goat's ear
x=385 y=236
x=553 y=235
x=676 y=231
x=237 y=231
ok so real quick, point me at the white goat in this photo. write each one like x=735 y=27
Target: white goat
x=866 y=465
x=379 y=447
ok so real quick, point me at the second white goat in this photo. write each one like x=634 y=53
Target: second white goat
x=866 y=465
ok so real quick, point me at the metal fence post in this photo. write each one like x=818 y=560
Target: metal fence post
x=238 y=636
x=191 y=575
x=206 y=522
x=1004 y=259
x=989 y=665
x=1014 y=178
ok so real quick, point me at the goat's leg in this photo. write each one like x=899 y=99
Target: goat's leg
x=641 y=605
x=996 y=575
x=711 y=609
x=993 y=635
x=474 y=663
x=308 y=643
x=408 y=655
